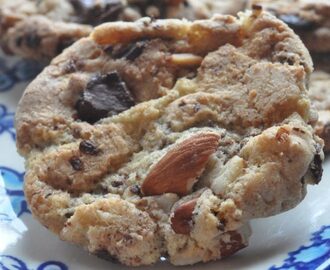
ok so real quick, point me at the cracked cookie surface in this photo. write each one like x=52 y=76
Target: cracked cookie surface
x=42 y=29
x=164 y=138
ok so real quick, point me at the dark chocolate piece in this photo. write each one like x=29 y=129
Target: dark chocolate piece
x=105 y=95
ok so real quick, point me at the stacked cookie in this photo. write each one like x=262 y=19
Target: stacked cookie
x=42 y=29
x=162 y=138
x=311 y=21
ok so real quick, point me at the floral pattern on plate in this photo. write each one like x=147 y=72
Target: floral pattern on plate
x=11 y=262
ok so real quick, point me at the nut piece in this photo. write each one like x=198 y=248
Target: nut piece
x=220 y=179
x=282 y=134
x=182 y=217
x=236 y=242
x=179 y=169
x=186 y=60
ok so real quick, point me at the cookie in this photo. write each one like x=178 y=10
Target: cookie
x=164 y=138
x=42 y=29
x=203 y=9
x=321 y=62
x=320 y=96
x=309 y=19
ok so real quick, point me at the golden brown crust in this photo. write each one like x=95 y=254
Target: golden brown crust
x=246 y=98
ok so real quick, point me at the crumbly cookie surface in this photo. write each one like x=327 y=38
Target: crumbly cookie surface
x=309 y=18
x=42 y=29
x=165 y=138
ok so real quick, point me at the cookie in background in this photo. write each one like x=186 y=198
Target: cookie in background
x=310 y=19
x=42 y=29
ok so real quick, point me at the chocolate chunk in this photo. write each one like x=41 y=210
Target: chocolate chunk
x=296 y=22
x=129 y=52
x=87 y=147
x=76 y=163
x=97 y=12
x=104 y=254
x=104 y=95
x=316 y=168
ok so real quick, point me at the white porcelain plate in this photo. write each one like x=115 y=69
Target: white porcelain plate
x=298 y=239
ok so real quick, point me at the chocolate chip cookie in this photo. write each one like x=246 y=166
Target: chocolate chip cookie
x=309 y=19
x=320 y=96
x=164 y=138
x=42 y=29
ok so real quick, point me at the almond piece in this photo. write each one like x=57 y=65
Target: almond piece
x=186 y=60
x=179 y=169
x=182 y=217
x=236 y=242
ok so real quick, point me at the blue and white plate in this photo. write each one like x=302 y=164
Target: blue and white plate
x=298 y=239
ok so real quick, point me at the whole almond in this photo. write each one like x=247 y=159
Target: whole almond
x=182 y=217
x=179 y=169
